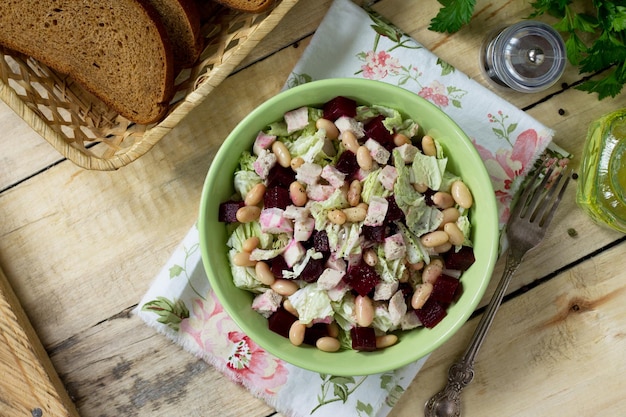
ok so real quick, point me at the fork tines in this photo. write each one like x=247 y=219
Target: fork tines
x=540 y=198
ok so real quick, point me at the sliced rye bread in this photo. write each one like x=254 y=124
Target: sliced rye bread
x=182 y=22
x=118 y=50
x=248 y=6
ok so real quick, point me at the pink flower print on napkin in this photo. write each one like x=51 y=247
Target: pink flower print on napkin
x=379 y=64
x=435 y=92
x=215 y=333
x=509 y=163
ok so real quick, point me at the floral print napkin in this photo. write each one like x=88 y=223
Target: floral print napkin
x=350 y=42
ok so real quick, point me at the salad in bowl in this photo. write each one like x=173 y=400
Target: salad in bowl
x=345 y=218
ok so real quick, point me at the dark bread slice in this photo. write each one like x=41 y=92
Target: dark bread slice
x=118 y=50
x=182 y=23
x=248 y=6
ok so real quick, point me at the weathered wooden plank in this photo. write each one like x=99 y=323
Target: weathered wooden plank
x=29 y=383
x=124 y=368
x=568 y=331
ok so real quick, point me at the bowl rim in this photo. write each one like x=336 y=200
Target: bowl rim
x=318 y=361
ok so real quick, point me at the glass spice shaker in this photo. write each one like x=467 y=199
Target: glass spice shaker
x=601 y=189
x=528 y=56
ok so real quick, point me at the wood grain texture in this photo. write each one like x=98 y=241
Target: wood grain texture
x=29 y=383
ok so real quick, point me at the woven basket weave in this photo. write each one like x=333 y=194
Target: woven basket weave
x=87 y=132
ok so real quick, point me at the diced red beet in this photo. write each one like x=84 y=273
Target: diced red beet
x=313 y=269
x=362 y=278
x=428 y=197
x=280 y=322
x=320 y=241
x=363 y=339
x=339 y=106
x=407 y=292
x=431 y=313
x=347 y=163
x=311 y=334
x=445 y=289
x=376 y=130
x=280 y=176
x=228 y=211
x=394 y=213
x=278 y=265
x=276 y=197
x=460 y=260
x=374 y=233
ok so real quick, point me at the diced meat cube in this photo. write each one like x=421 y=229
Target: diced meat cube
x=330 y=278
x=410 y=321
x=267 y=303
x=394 y=247
x=338 y=292
x=262 y=141
x=388 y=176
x=397 y=308
x=385 y=290
x=333 y=176
x=376 y=211
x=297 y=213
x=336 y=263
x=264 y=163
x=378 y=152
x=407 y=152
x=272 y=220
x=297 y=119
x=309 y=173
x=349 y=124
x=319 y=192
x=294 y=251
x=303 y=229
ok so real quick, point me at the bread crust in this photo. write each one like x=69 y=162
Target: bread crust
x=248 y=6
x=117 y=50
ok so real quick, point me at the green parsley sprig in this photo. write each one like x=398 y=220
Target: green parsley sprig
x=605 y=29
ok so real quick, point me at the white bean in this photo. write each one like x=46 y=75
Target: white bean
x=355 y=214
x=328 y=344
x=243 y=259
x=329 y=127
x=290 y=308
x=364 y=158
x=354 y=193
x=443 y=200
x=386 y=340
x=349 y=141
x=428 y=146
x=451 y=214
x=421 y=294
x=370 y=257
x=363 y=310
x=337 y=216
x=462 y=194
x=283 y=157
x=399 y=139
x=264 y=273
x=250 y=244
x=436 y=238
x=296 y=333
x=247 y=214
x=296 y=162
x=432 y=271
x=455 y=234
x=284 y=287
x=297 y=193
x=255 y=195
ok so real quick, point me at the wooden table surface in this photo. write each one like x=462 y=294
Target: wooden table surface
x=80 y=248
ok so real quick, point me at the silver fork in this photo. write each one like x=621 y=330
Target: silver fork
x=525 y=229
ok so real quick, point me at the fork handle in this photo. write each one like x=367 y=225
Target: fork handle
x=512 y=263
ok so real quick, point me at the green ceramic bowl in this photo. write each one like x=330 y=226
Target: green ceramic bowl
x=463 y=160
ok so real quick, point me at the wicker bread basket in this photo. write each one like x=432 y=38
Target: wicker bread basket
x=87 y=132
